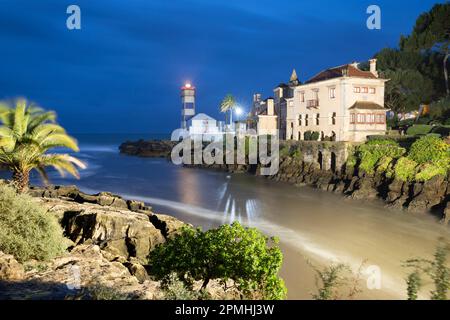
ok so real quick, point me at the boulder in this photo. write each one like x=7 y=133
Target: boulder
x=10 y=269
x=120 y=231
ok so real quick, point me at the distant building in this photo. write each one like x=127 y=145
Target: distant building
x=342 y=103
x=204 y=126
x=262 y=118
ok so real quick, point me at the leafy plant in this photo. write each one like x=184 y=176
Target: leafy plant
x=419 y=129
x=175 y=289
x=430 y=170
x=243 y=255
x=27 y=133
x=435 y=269
x=405 y=169
x=27 y=230
x=372 y=151
x=336 y=281
x=429 y=149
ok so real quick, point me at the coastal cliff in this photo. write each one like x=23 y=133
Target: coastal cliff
x=322 y=165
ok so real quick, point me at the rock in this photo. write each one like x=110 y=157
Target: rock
x=10 y=269
x=364 y=189
x=84 y=267
x=168 y=225
x=119 y=231
x=432 y=194
x=137 y=270
x=152 y=148
x=446 y=214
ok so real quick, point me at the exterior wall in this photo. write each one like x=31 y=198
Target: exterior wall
x=318 y=111
x=267 y=125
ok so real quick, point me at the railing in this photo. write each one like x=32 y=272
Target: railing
x=312 y=103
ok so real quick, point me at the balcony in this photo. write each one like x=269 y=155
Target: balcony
x=312 y=103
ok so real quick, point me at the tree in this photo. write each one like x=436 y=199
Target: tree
x=406 y=90
x=228 y=104
x=231 y=252
x=27 y=133
x=432 y=32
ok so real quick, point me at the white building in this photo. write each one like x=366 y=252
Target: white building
x=204 y=127
x=342 y=103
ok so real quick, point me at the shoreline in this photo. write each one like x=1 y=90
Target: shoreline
x=431 y=197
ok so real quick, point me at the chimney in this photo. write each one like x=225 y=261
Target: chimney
x=270 y=107
x=373 y=67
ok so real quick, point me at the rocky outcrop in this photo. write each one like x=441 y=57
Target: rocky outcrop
x=85 y=269
x=150 y=148
x=120 y=231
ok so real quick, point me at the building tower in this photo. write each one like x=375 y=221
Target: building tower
x=187 y=104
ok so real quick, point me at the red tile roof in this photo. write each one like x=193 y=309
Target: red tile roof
x=338 y=72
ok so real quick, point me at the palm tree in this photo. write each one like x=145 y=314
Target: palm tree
x=27 y=132
x=228 y=104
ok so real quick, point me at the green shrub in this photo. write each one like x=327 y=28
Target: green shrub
x=311 y=135
x=419 y=129
x=27 y=231
x=429 y=149
x=384 y=165
x=315 y=136
x=405 y=169
x=372 y=151
x=285 y=151
x=307 y=135
x=175 y=289
x=243 y=255
x=430 y=170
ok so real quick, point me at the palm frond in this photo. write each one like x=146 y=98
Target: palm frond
x=57 y=140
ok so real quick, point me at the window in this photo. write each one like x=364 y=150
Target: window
x=365 y=90
x=372 y=90
x=317 y=119
x=356 y=89
x=380 y=118
x=188 y=105
x=352 y=118
x=332 y=92
x=291 y=103
x=302 y=97
x=300 y=120
x=299 y=136
x=361 y=118
x=333 y=119
x=370 y=118
x=306 y=120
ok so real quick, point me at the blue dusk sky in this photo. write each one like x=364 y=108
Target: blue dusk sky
x=121 y=72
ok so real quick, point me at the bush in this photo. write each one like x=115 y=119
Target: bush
x=311 y=135
x=243 y=255
x=419 y=129
x=429 y=149
x=175 y=289
x=27 y=231
x=405 y=169
x=430 y=170
x=372 y=151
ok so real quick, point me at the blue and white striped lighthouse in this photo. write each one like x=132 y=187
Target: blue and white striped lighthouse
x=187 y=104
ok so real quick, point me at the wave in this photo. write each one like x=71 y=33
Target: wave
x=99 y=148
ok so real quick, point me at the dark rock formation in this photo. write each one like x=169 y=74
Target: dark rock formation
x=151 y=148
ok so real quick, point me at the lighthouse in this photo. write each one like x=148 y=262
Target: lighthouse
x=187 y=104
